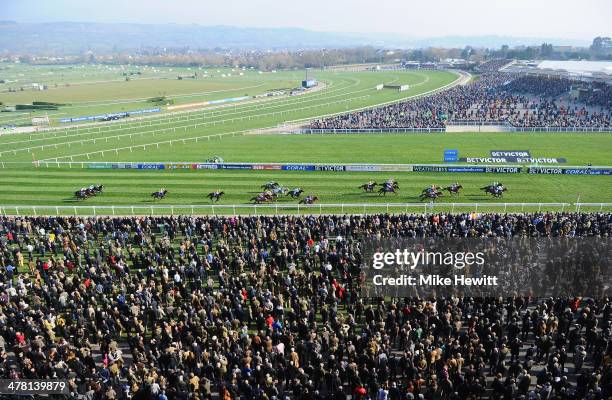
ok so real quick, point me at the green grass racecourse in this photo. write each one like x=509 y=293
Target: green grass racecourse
x=196 y=135
x=26 y=185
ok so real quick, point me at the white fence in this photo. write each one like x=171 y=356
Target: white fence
x=273 y=209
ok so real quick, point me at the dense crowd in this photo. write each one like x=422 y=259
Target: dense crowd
x=493 y=65
x=545 y=87
x=271 y=308
x=519 y=100
x=601 y=95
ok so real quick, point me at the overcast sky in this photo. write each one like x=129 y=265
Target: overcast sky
x=566 y=19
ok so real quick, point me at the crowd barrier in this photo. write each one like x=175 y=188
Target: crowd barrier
x=285 y=208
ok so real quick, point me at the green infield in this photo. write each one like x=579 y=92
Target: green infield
x=94 y=90
x=401 y=148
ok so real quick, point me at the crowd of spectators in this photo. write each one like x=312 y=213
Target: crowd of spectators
x=518 y=100
x=601 y=96
x=492 y=65
x=271 y=308
x=545 y=87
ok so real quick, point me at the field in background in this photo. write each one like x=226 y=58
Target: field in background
x=98 y=89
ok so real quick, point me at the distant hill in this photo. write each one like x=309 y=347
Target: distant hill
x=77 y=37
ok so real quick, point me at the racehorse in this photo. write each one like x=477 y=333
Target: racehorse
x=215 y=195
x=496 y=191
x=368 y=187
x=81 y=194
x=295 y=193
x=261 y=198
x=90 y=191
x=453 y=189
x=430 y=188
x=387 y=189
x=269 y=185
x=280 y=190
x=160 y=194
x=270 y=195
x=431 y=194
x=391 y=182
x=308 y=200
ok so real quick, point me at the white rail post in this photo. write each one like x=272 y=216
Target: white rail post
x=234 y=209
x=151 y=209
x=17 y=210
x=132 y=210
x=113 y=210
x=56 y=210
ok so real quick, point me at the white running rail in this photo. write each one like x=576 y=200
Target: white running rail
x=284 y=208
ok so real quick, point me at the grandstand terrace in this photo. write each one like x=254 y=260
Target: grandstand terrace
x=516 y=99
